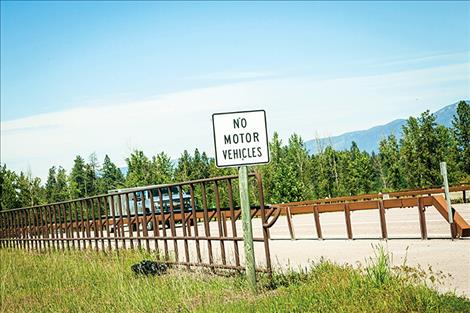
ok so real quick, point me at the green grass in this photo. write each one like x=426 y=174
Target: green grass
x=86 y=281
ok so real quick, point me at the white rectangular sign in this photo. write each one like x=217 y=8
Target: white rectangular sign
x=240 y=138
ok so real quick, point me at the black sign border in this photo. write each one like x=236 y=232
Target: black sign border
x=215 y=143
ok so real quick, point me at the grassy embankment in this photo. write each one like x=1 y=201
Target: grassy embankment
x=94 y=282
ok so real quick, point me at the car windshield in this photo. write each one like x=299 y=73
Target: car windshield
x=165 y=190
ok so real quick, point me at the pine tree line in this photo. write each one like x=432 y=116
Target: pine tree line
x=292 y=175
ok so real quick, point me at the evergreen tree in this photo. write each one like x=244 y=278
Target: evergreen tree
x=61 y=192
x=30 y=191
x=298 y=159
x=288 y=176
x=92 y=183
x=359 y=179
x=37 y=191
x=389 y=159
x=111 y=176
x=331 y=169
x=162 y=169
x=376 y=183
x=461 y=129
x=183 y=171
x=447 y=150
x=327 y=173
x=269 y=171
x=409 y=153
x=23 y=190
x=429 y=148
x=419 y=150
x=51 y=185
x=215 y=171
x=199 y=165
x=78 y=177
x=8 y=189
x=138 y=170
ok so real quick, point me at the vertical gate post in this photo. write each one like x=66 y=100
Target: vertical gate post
x=447 y=193
x=259 y=180
x=247 y=228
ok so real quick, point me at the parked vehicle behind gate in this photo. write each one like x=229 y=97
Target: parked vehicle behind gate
x=143 y=202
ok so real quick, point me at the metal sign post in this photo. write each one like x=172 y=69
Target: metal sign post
x=446 y=190
x=241 y=139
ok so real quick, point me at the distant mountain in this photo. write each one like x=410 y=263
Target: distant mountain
x=369 y=139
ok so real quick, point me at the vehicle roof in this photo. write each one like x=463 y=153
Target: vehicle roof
x=141 y=188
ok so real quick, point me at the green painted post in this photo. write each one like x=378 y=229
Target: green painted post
x=247 y=228
x=446 y=190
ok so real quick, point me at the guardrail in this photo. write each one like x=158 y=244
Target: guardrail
x=404 y=199
x=376 y=196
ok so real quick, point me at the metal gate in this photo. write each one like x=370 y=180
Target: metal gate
x=192 y=223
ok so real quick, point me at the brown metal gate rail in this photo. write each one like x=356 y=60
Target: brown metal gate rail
x=112 y=221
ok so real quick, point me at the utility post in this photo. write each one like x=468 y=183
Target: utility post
x=447 y=193
x=241 y=139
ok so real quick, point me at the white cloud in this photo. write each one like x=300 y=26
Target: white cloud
x=182 y=120
x=443 y=56
x=234 y=75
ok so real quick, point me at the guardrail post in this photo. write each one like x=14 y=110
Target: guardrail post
x=383 y=223
x=453 y=227
x=289 y=223
x=347 y=214
x=317 y=222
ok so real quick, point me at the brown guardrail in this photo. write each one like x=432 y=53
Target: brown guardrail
x=397 y=194
x=460 y=228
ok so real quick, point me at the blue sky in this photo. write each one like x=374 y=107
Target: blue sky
x=292 y=59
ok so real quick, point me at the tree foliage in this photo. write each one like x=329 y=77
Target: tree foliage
x=461 y=130
x=389 y=163
x=111 y=176
x=77 y=178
